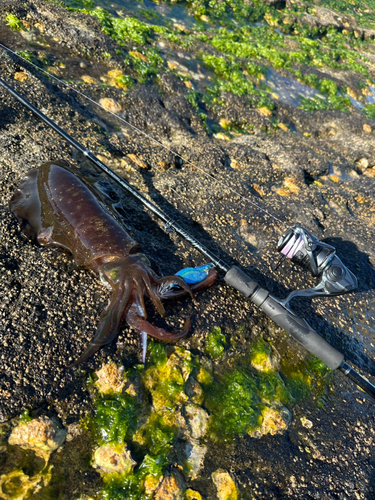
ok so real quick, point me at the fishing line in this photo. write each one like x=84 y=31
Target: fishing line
x=296 y=244
x=140 y=131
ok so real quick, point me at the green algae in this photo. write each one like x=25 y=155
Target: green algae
x=369 y=111
x=215 y=343
x=146 y=415
x=17 y=485
x=132 y=486
x=234 y=403
x=260 y=354
x=13 y=22
x=145 y=64
x=157 y=434
x=242 y=52
x=115 y=417
x=310 y=377
x=25 y=417
x=164 y=381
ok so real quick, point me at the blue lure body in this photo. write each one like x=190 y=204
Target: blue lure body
x=192 y=275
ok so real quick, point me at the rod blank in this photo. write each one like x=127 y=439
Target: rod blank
x=235 y=276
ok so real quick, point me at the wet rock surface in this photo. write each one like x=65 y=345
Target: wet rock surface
x=318 y=171
x=113 y=459
x=42 y=434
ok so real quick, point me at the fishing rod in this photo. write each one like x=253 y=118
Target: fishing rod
x=296 y=244
x=148 y=136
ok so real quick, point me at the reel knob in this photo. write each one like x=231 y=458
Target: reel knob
x=335 y=273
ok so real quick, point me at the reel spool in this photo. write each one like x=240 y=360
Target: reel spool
x=307 y=251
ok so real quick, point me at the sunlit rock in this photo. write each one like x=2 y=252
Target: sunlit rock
x=192 y=495
x=88 y=79
x=20 y=76
x=43 y=434
x=367 y=128
x=275 y=420
x=110 y=378
x=197 y=420
x=195 y=454
x=171 y=488
x=306 y=422
x=110 y=458
x=110 y=104
x=225 y=484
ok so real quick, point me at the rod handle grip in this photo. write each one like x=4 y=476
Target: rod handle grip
x=297 y=327
x=301 y=331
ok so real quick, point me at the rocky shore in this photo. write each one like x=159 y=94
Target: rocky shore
x=275 y=100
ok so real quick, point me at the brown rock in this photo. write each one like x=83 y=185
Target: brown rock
x=225 y=484
x=171 y=488
x=110 y=378
x=110 y=104
x=367 y=128
x=20 y=76
x=113 y=459
x=41 y=434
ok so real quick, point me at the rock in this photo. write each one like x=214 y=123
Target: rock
x=367 y=128
x=110 y=104
x=195 y=454
x=264 y=112
x=115 y=73
x=363 y=162
x=111 y=458
x=171 y=488
x=306 y=423
x=182 y=359
x=43 y=434
x=40 y=27
x=225 y=484
x=17 y=485
x=151 y=483
x=192 y=495
x=194 y=390
x=110 y=378
x=88 y=79
x=204 y=375
x=21 y=76
x=134 y=158
x=221 y=136
x=261 y=360
x=276 y=419
x=74 y=430
x=283 y=126
x=197 y=419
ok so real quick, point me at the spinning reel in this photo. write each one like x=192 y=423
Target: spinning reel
x=304 y=249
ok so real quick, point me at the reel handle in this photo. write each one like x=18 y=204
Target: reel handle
x=335 y=279
x=307 y=251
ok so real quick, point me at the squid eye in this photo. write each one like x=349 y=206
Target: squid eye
x=113 y=273
x=145 y=260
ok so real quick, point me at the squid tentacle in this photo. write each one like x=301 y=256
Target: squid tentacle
x=153 y=296
x=142 y=325
x=140 y=295
x=170 y=280
x=110 y=321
